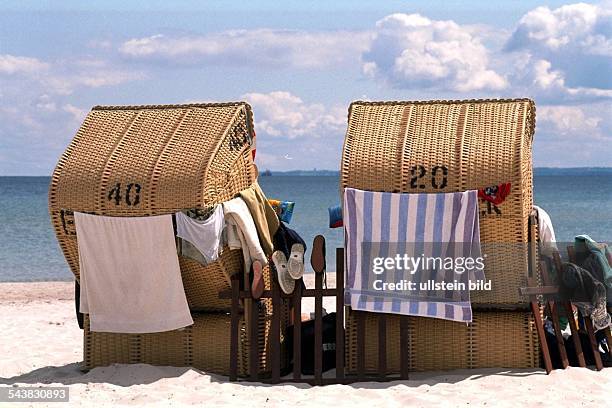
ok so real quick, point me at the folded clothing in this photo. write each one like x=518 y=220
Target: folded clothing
x=129 y=274
x=241 y=233
x=204 y=235
x=265 y=218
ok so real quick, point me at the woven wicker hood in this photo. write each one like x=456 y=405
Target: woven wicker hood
x=146 y=160
x=450 y=146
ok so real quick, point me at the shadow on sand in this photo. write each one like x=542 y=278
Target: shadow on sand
x=125 y=375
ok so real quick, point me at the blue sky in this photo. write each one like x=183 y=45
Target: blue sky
x=300 y=66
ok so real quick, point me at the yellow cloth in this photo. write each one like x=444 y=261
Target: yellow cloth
x=264 y=216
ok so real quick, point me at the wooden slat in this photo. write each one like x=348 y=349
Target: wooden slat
x=267 y=294
x=318 y=340
x=539 y=290
x=275 y=350
x=404 y=347
x=575 y=333
x=382 y=345
x=554 y=317
x=609 y=338
x=297 y=330
x=360 y=317
x=253 y=352
x=593 y=341
x=340 y=313
x=234 y=320
x=532 y=268
x=535 y=309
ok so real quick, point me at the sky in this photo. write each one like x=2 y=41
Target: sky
x=300 y=64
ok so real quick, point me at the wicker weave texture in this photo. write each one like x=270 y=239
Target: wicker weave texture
x=204 y=345
x=493 y=339
x=450 y=146
x=151 y=160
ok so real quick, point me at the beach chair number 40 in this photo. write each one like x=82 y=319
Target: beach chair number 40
x=132 y=194
x=439 y=177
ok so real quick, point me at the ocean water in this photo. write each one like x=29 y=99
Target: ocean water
x=578 y=202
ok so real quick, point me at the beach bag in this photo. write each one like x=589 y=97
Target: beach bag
x=308 y=340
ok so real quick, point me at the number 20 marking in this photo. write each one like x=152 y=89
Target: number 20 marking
x=419 y=172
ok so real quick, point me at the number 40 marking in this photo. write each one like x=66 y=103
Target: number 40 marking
x=132 y=194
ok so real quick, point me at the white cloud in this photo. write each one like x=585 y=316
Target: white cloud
x=293 y=134
x=568 y=51
x=266 y=47
x=410 y=50
x=12 y=64
x=581 y=25
x=281 y=114
x=568 y=120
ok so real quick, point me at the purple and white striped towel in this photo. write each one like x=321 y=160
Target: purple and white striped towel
x=383 y=225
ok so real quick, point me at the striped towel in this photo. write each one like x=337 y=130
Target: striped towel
x=387 y=225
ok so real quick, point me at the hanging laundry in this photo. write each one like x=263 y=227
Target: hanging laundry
x=264 y=216
x=129 y=274
x=597 y=259
x=495 y=194
x=335 y=216
x=241 y=233
x=389 y=225
x=587 y=293
x=546 y=232
x=284 y=209
x=205 y=235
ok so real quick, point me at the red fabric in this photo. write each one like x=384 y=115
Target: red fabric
x=495 y=194
x=253 y=148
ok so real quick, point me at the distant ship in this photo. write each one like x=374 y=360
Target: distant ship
x=266 y=173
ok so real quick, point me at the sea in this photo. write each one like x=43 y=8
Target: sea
x=579 y=201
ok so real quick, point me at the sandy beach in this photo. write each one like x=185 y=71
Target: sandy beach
x=42 y=345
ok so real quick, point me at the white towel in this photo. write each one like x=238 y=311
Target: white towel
x=129 y=274
x=546 y=233
x=241 y=233
x=204 y=235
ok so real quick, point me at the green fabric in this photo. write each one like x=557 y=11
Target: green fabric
x=584 y=243
x=563 y=322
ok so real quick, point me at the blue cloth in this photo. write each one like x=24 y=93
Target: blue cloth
x=382 y=225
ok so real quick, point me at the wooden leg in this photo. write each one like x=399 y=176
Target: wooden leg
x=297 y=331
x=575 y=334
x=382 y=346
x=275 y=350
x=340 y=313
x=404 y=347
x=535 y=309
x=234 y=316
x=590 y=332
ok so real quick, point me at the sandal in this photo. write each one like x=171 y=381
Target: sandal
x=296 y=261
x=285 y=281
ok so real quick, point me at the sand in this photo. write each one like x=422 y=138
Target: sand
x=41 y=344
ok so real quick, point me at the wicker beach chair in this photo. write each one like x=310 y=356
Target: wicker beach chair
x=152 y=160
x=451 y=146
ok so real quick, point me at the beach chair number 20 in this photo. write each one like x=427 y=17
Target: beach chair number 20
x=132 y=194
x=439 y=177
